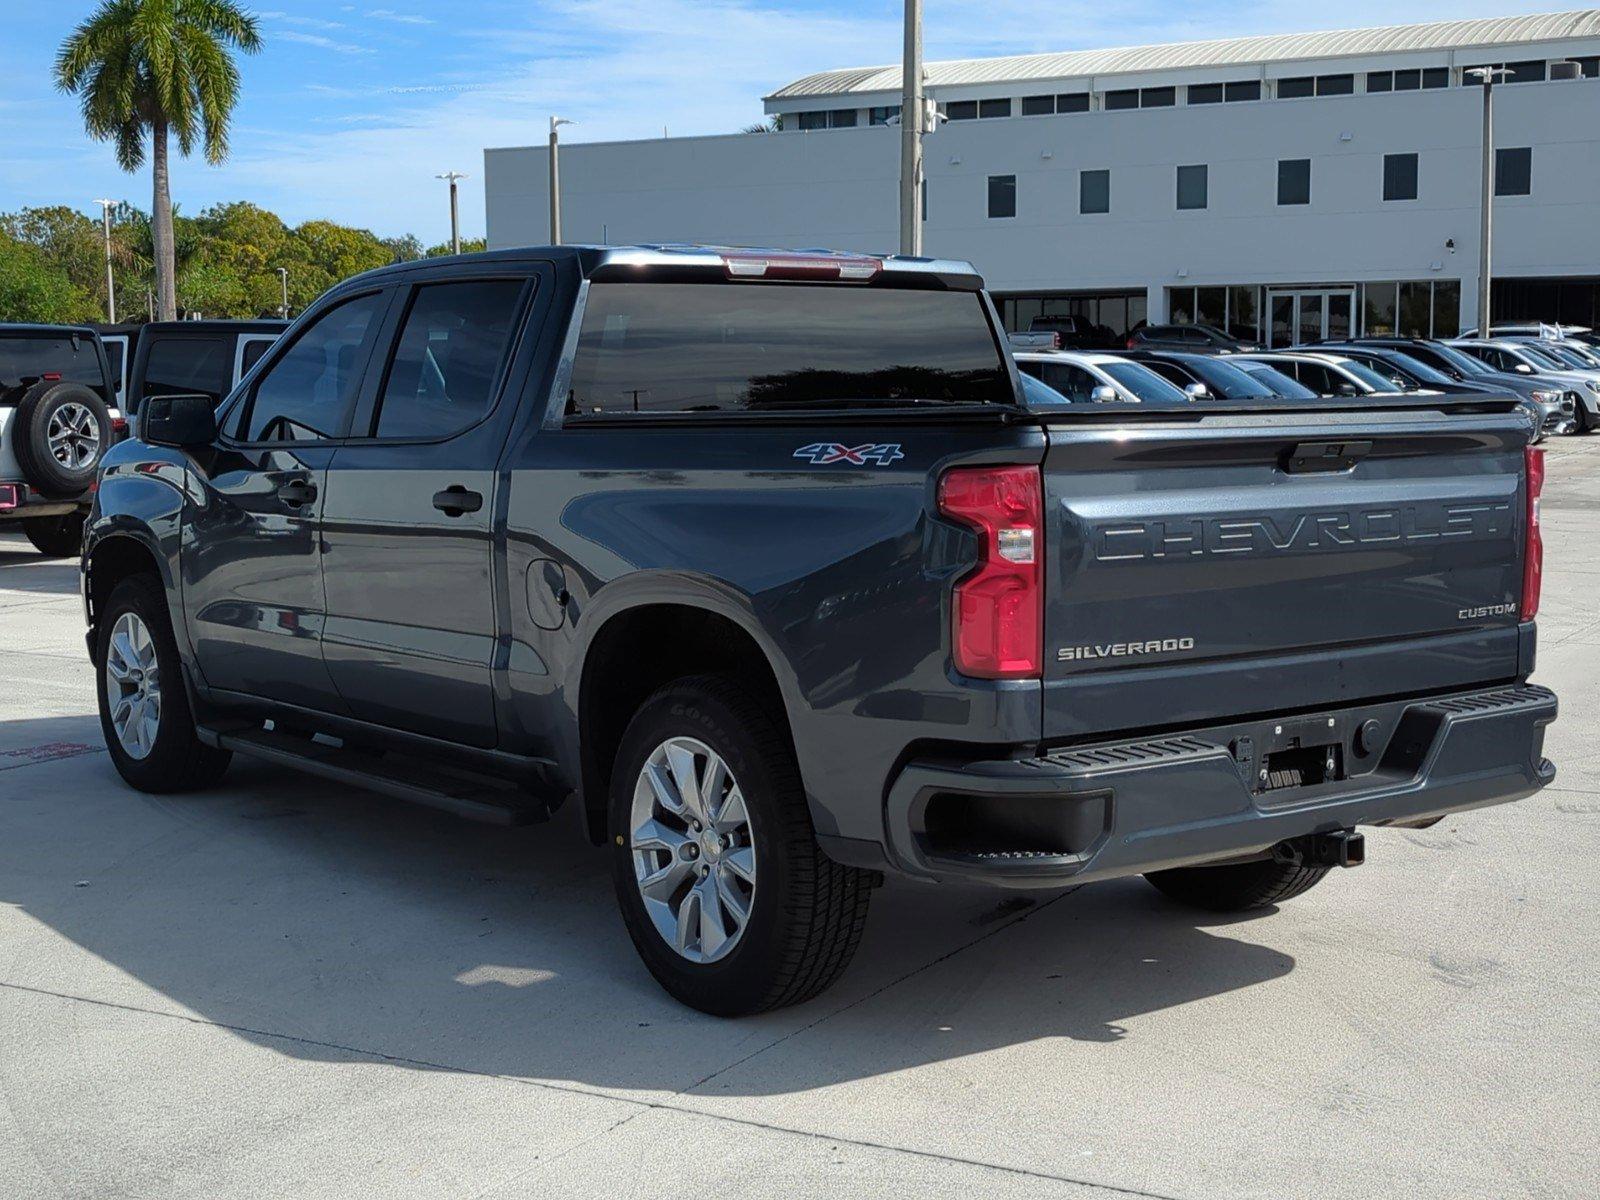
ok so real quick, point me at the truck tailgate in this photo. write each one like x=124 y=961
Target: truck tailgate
x=1234 y=564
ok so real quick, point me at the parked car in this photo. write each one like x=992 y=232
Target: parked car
x=194 y=357
x=1519 y=358
x=1575 y=355
x=760 y=561
x=1552 y=409
x=1197 y=339
x=1218 y=378
x=1074 y=332
x=58 y=417
x=1034 y=341
x=1099 y=379
x=1538 y=329
x=1325 y=373
x=1557 y=406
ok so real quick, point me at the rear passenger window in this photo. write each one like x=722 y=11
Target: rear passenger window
x=306 y=393
x=448 y=358
x=1072 y=381
x=183 y=365
x=254 y=348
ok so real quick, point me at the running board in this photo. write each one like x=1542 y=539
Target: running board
x=475 y=798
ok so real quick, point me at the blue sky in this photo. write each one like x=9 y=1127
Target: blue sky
x=352 y=109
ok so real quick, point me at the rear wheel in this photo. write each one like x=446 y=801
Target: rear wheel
x=56 y=537
x=1237 y=887
x=62 y=430
x=725 y=893
x=144 y=710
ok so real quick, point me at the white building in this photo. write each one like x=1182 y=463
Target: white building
x=1293 y=185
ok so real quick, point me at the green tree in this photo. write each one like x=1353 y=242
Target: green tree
x=158 y=69
x=468 y=246
x=35 y=288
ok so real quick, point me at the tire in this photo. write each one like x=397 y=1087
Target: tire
x=173 y=759
x=56 y=537
x=1236 y=887
x=805 y=912
x=63 y=430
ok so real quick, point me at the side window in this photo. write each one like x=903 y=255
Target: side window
x=1171 y=372
x=306 y=393
x=448 y=358
x=1071 y=380
x=186 y=365
x=251 y=354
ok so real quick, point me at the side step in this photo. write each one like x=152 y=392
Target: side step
x=474 y=797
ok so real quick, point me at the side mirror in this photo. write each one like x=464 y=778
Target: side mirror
x=1524 y=369
x=178 y=421
x=1197 y=391
x=1348 y=389
x=1104 y=395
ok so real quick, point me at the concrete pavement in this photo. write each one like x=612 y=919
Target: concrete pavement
x=281 y=988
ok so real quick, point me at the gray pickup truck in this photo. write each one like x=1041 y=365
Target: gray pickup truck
x=759 y=562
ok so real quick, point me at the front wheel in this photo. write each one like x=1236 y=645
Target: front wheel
x=1236 y=887
x=56 y=537
x=725 y=893
x=144 y=710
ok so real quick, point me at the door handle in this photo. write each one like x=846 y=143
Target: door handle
x=457 y=501
x=297 y=493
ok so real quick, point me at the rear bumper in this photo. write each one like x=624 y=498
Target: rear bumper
x=19 y=501
x=1124 y=808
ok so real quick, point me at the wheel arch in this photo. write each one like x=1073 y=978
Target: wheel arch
x=636 y=649
x=112 y=556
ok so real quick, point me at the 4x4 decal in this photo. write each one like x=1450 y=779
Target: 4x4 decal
x=823 y=453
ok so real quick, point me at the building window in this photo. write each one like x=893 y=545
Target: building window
x=1528 y=71
x=995 y=108
x=1335 y=85
x=838 y=118
x=1192 y=186
x=1294 y=181
x=1158 y=97
x=1072 y=102
x=1589 y=66
x=1038 y=106
x=1435 y=77
x=962 y=110
x=1244 y=89
x=1204 y=93
x=1513 y=171
x=1380 y=81
x=1094 y=191
x=883 y=115
x=1297 y=88
x=1123 y=98
x=1399 y=176
x=813 y=120
x=1002 y=196
x=1408 y=80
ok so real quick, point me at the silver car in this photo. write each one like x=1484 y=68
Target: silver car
x=1527 y=359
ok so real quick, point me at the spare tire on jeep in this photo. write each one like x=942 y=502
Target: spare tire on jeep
x=62 y=430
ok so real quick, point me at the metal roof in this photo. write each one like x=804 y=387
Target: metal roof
x=1286 y=47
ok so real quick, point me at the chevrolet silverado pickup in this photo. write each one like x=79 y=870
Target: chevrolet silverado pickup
x=760 y=564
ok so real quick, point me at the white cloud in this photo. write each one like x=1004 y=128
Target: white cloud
x=316 y=39
x=388 y=14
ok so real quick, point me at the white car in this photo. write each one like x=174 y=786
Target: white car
x=1084 y=377
x=1531 y=359
x=1325 y=373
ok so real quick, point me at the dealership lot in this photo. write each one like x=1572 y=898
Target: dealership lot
x=284 y=988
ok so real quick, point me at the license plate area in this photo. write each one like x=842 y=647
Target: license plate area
x=1289 y=755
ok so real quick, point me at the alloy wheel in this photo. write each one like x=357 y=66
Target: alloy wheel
x=693 y=848
x=73 y=436
x=133 y=685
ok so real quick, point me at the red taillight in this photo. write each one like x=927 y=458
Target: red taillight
x=51 y=377
x=997 y=628
x=1533 y=559
x=1132 y=342
x=119 y=424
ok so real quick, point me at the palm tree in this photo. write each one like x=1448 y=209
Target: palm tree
x=158 y=68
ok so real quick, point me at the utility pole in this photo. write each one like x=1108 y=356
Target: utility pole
x=283 y=278
x=455 y=212
x=111 y=281
x=555 y=179
x=1487 y=77
x=911 y=119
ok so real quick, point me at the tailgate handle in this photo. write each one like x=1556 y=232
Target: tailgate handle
x=1307 y=457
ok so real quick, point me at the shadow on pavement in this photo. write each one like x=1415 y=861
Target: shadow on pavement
x=314 y=920
x=24 y=569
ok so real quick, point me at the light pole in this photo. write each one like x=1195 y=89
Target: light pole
x=111 y=281
x=555 y=179
x=283 y=278
x=455 y=213
x=911 y=117
x=1487 y=77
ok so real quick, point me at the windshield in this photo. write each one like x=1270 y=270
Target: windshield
x=1467 y=364
x=1368 y=376
x=1573 y=358
x=1416 y=368
x=1276 y=382
x=1539 y=357
x=1036 y=393
x=1228 y=381
x=1144 y=383
x=720 y=347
